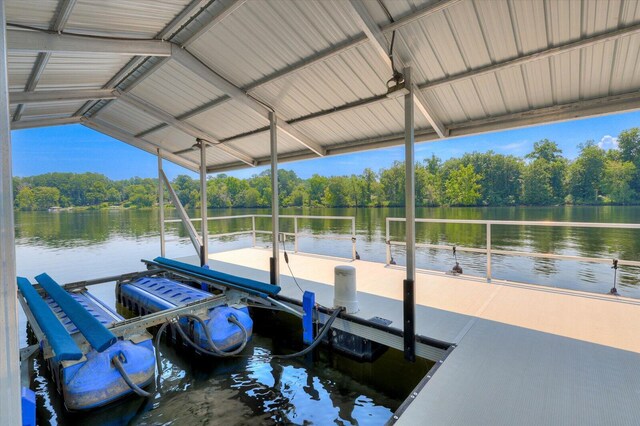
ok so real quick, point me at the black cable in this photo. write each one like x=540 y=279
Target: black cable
x=286 y=260
x=118 y=364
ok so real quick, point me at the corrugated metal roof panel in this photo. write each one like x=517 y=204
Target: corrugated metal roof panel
x=20 y=66
x=596 y=70
x=126 y=117
x=259 y=144
x=171 y=139
x=375 y=120
x=356 y=74
x=175 y=89
x=626 y=67
x=228 y=119
x=37 y=13
x=88 y=71
x=262 y=37
x=124 y=18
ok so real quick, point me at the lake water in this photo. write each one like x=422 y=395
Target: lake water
x=73 y=246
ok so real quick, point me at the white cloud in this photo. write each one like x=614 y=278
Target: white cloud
x=608 y=142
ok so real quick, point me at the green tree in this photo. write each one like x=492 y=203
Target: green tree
x=462 y=187
x=25 y=200
x=618 y=177
x=536 y=183
x=585 y=174
x=45 y=197
x=392 y=182
x=629 y=145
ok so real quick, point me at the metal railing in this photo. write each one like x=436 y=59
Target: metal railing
x=295 y=234
x=489 y=251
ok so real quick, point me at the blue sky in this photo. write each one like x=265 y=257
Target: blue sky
x=75 y=148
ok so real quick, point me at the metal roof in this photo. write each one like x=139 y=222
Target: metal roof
x=173 y=71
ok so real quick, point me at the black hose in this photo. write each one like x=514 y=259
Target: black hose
x=215 y=351
x=156 y=345
x=118 y=364
x=323 y=332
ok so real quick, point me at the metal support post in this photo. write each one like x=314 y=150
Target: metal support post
x=275 y=262
x=488 y=252
x=204 y=251
x=353 y=239
x=253 y=230
x=388 y=242
x=295 y=234
x=10 y=403
x=410 y=209
x=161 y=205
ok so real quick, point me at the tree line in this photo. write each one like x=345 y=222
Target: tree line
x=542 y=177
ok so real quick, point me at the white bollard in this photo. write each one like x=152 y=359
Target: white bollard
x=344 y=292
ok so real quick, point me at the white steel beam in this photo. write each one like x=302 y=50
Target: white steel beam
x=226 y=10
x=187 y=128
x=20 y=41
x=191 y=62
x=10 y=403
x=43 y=122
x=63 y=14
x=375 y=34
x=114 y=132
x=50 y=96
x=181 y=19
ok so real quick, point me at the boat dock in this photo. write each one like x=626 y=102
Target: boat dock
x=524 y=354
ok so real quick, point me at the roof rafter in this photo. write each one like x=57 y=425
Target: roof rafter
x=150 y=147
x=46 y=96
x=187 y=128
x=374 y=33
x=189 y=61
x=20 y=41
x=43 y=122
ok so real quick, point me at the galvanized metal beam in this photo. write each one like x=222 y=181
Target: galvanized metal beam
x=182 y=18
x=20 y=41
x=150 y=147
x=43 y=122
x=63 y=14
x=375 y=34
x=225 y=11
x=189 y=61
x=161 y=205
x=51 y=96
x=536 y=56
x=189 y=129
x=10 y=404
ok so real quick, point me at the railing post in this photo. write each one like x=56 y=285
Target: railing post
x=353 y=238
x=295 y=234
x=253 y=229
x=387 y=241
x=161 y=206
x=488 y=251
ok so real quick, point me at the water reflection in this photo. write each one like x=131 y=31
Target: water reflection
x=133 y=231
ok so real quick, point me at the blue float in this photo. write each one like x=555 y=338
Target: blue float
x=87 y=378
x=153 y=294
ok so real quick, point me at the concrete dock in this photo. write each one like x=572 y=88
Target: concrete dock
x=524 y=354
